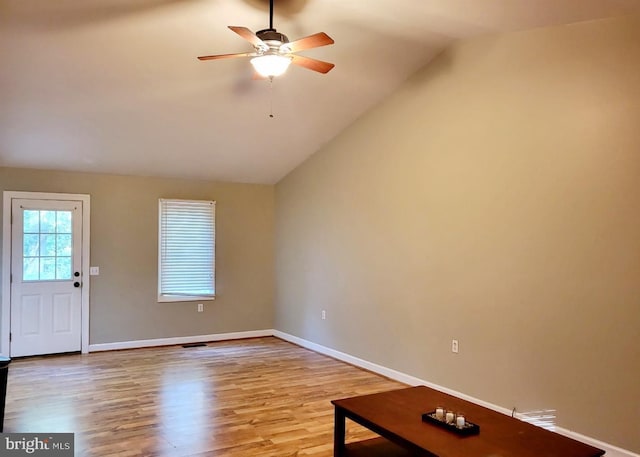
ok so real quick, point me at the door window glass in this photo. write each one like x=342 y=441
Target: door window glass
x=47 y=239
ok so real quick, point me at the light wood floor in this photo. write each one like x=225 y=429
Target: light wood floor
x=258 y=397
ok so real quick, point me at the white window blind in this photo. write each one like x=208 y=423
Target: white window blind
x=186 y=250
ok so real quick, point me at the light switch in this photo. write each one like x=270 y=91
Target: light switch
x=94 y=271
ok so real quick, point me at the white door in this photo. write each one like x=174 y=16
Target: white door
x=46 y=276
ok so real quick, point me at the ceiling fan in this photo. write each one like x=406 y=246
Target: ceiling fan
x=274 y=52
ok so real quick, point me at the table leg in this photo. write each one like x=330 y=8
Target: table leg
x=339 y=433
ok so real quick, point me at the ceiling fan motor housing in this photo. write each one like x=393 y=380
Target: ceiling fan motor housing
x=271 y=35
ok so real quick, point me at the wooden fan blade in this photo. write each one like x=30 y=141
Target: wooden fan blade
x=312 y=41
x=312 y=64
x=249 y=36
x=227 y=56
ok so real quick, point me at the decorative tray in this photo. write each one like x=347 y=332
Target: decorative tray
x=468 y=429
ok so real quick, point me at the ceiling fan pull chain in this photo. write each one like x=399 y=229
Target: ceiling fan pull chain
x=271 y=95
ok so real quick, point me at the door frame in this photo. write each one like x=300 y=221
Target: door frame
x=8 y=196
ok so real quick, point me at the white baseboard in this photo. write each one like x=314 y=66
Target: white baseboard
x=611 y=451
x=178 y=340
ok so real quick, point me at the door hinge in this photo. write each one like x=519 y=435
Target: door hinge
x=10 y=337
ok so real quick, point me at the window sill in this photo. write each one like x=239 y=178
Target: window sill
x=180 y=298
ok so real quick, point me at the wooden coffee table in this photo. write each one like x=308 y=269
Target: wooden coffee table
x=397 y=417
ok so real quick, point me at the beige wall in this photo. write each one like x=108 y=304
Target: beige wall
x=124 y=243
x=494 y=199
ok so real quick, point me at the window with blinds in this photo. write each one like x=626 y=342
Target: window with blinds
x=186 y=258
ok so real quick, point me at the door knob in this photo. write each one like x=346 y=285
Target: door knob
x=76 y=284
x=76 y=274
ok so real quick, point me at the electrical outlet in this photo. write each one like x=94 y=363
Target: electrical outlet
x=324 y=314
x=200 y=307
x=454 y=346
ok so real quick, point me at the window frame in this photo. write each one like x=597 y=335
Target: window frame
x=167 y=298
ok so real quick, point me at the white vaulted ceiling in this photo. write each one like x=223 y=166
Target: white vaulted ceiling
x=114 y=86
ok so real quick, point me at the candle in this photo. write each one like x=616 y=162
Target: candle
x=450 y=416
x=440 y=413
x=460 y=421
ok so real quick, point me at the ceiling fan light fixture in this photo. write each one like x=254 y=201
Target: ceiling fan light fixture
x=269 y=65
